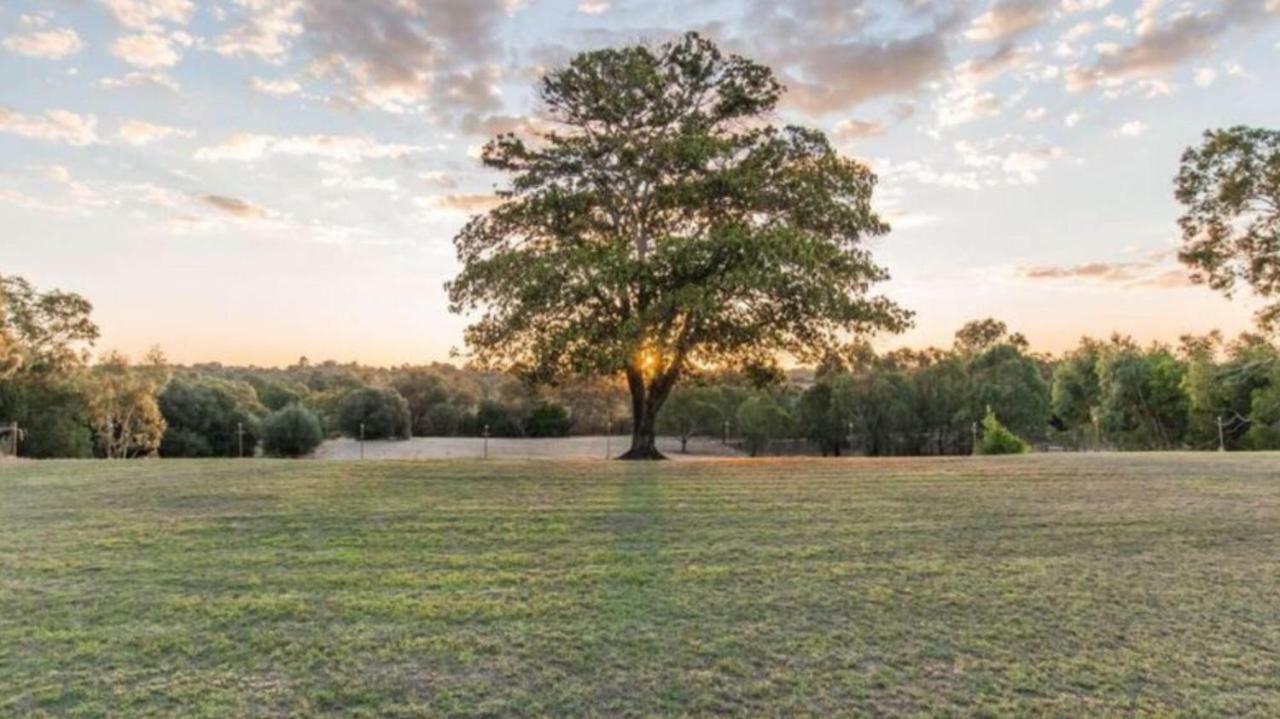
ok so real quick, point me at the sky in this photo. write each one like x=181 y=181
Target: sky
x=251 y=181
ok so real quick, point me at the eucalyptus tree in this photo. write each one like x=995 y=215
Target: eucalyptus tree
x=664 y=223
x=1230 y=186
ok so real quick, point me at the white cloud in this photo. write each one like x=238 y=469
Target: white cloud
x=1071 y=7
x=145 y=14
x=594 y=7
x=1007 y=19
x=147 y=51
x=1205 y=76
x=247 y=147
x=267 y=32
x=1072 y=119
x=1133 y=128
x=141 y=79
x=1033 y=114
x=47 y=44
x=278 y=88
x=138 y=132
x=53 y=126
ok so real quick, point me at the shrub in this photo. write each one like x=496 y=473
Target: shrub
x=209 y=417
x=293 y=431
x=548 y=420
x=760 y=420
x=383 y=412
x=998 y=440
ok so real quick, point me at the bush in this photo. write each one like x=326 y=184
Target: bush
x=291 y=432
x=998 y=440
x=549 y=420
x=760 y=420
x=383 y=412
x=498 y=418
x=209 y=417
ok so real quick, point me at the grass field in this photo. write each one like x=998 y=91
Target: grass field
x=1067 y=585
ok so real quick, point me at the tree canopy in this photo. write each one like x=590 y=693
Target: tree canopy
x=1230 y=186
x=663 y=223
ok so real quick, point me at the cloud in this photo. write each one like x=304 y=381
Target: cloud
x=277 y=88
x=470 y=204
x=1205 y=76
x=1008 y=19
x=594 y=7
x=838 y=76
x=266 y=31
x=389 y=53
x=855 y=129
x=1034 y=114
x=54 y=126
x=138 y=132
x=1155 y=269
x=147 y=51
x=247 y=147
x=142 y=79
x=236 y=207
x=47 y=44
x=1133 y=128
x=1162 y=47
x=145 y=14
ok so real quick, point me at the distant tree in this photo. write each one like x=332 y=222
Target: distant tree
x=979 y=336
x=1076 y=393
x=1142 y=403
x=277 y=395
x=997 y=439
x=122 y=407
x=498 y=420
x=1010 y=382
x=383 y=413
x=823 y=415
x=422 y=389
x=690 y=411
x=760 y=421
x=547 y=419
x=45 y=331
x=664 y=224
x=209 y=417
x=292 y=431
x=1230 y=187
x=1264 y=414
x=52 y=410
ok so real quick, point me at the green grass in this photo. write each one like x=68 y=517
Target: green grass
x=1038 y=585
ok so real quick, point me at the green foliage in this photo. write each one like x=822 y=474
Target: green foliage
x=1229 y=186
x=205 y=415
x=691 y=411
x=1077 y=392
x=292 y=431
x=422 y=389
x=53 y=413
x=997 y=439
x=1142 y=404
x=663 y=198
x=548 y=420
x=761 y=420
x=122 y=406
x=498 y=420
x=47 y=332
x=383 y=413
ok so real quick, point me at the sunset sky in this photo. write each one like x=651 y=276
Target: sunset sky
x=249 y=181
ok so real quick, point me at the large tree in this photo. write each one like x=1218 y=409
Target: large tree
x=663 y=223
x=1230 y=186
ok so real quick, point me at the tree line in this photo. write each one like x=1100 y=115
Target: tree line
x=987 y=392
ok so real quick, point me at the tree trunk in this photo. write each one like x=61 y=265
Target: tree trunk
x=646 y=400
